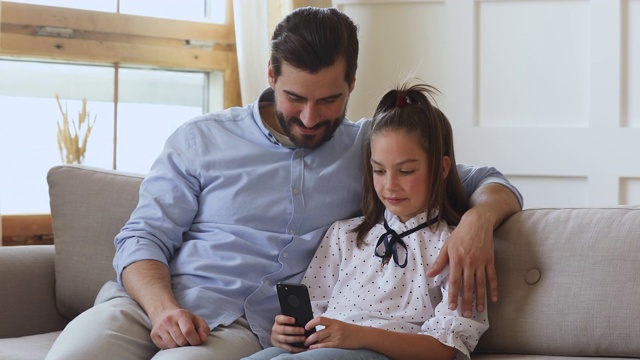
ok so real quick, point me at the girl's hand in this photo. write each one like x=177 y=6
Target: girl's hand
x=336 y=334
x=284 y=334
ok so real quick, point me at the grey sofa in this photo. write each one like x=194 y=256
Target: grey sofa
x=568 y=278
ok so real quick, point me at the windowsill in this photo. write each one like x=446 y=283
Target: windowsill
x=27 y=230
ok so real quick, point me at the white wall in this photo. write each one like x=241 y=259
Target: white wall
x=548 y=91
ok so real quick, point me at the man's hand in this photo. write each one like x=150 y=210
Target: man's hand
x=469 y=250
x=148 y=282
x=178 y=327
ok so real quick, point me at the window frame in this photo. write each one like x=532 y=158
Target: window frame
x=73 y=35
x=55 y=33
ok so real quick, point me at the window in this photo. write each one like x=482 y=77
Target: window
x=151 y=105
x=193 y=10
x=142 y=75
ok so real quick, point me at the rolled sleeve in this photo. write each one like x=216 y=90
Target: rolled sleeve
x=134 y=250
x=166 y=209
x=474 y=178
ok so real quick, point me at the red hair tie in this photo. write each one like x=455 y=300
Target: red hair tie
x=402 y=101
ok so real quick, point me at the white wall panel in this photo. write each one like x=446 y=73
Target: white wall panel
x=630 y=191
x=533 y=63
x=632 y=61
x=397 y=40
x=559 y=190
x=547 y=91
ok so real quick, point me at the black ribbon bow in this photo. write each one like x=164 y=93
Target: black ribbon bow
x=391 y=240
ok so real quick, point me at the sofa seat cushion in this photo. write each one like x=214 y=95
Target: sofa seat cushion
x=533 y=357
x=33 y=347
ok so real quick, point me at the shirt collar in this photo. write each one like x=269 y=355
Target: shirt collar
x=267 y=98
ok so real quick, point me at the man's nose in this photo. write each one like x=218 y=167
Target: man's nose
x=310 y=115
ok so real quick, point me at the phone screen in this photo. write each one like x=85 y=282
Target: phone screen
x=295 y=302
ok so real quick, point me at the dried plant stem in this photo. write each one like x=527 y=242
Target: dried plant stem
x=72 y=150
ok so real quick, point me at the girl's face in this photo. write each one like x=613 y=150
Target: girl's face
x=401 y=173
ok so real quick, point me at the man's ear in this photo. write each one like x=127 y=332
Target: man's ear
x=446 y=166
x=352 y=85
x=271 y=76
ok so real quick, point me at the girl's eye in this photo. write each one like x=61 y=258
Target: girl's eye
x=406 y=172
x=378 y=171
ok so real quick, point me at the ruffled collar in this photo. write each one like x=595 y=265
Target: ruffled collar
x=396 y=224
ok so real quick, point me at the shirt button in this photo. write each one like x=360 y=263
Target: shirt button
x=296 y=191
x=292 y=232
x=285 y=255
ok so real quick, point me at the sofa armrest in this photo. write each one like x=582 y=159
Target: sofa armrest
x=27 y=291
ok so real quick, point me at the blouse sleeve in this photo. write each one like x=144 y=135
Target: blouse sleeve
x=449 y=326
x=323 y=271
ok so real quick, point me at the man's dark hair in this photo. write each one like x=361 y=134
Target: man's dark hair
x=312 y=39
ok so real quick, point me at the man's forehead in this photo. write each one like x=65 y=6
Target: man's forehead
x=326 y=83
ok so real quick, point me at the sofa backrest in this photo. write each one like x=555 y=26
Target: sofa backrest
x=568 y=278
x=89 y=206
x=568 y=282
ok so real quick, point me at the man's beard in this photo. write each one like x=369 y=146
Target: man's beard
x=308 y=141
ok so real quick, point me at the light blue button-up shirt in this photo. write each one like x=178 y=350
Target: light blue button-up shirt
x=232 y=212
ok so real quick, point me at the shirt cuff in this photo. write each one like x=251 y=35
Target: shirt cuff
x=136 y=249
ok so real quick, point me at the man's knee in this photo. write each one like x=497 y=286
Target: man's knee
x=104 y=331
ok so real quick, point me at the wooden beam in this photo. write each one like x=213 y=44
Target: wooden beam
x=26 y=225
x=93 y=36
x=232 y=96
x=27 y=230
x=112 y=52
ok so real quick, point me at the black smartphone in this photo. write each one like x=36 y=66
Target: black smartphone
x=295 y=302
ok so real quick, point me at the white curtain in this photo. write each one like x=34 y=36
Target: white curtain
x=253 y=37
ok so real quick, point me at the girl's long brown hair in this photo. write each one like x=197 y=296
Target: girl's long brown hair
x=408 y=109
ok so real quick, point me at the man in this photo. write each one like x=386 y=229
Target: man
x=239 y=200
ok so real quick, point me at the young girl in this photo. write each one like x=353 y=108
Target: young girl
x=367 y=280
